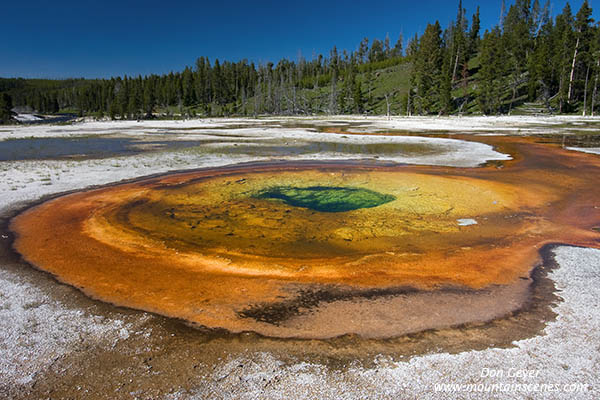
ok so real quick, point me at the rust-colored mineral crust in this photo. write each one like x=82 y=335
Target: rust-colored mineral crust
x=211 y=248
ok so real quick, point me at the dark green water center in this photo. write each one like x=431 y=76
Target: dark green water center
x=326 y=198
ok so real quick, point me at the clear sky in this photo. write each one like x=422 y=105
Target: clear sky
x=103 y=38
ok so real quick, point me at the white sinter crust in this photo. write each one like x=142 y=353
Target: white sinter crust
x=36 y=329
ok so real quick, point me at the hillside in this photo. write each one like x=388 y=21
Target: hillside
x=530 y=63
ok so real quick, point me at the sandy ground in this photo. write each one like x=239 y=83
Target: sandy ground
x=55 y=343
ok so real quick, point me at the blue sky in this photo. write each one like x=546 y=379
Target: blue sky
x=82 y=38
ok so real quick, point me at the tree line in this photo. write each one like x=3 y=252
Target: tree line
x=531 y=56
x=228 y=88
x=527 y=57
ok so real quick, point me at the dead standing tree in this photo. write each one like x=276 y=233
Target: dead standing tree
x=388 y=101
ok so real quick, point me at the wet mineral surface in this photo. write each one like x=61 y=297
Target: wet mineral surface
x=317 y=249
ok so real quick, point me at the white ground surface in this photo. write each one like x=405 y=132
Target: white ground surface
x=27 y=118
x=486 y=125
x=35 y=329
x=560 y=364
x=590 y=150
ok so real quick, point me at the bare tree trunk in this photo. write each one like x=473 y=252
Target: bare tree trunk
x=269 y=93
x=408 y=113
x=257 y=95
x=294 y=101
x=279 y=95
x=585 y=90
x=243 y=100
x=455 y=64
x=560 y=91
x=387 y=103
x=595 y=87
x=512 y=100
x=333 y=96
x=293 y=86
x=573 y=70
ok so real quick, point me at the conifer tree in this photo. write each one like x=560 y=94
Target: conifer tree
x=595 y=62
x=517 y=44
x=357 y=96
x=489 y=95
x=6 y=106
x=427 y=75
x=583 y=23
x=363 y=50
x=54 y=107
x=398 y=47
x=459 y=42
x=542 y=73
x=386 y=46
x=149 y=98
x=376 y=53
x=189 y=94
x=473 y=44
x=412 y=47
x=530 y=55
x=563 y=41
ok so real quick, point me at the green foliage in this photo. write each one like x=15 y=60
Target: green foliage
x=5 y=108
x=529 y=56
x=357 y=96
x=427 y=76
x=492 y=72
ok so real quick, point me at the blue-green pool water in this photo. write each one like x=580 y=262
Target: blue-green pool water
x=326 y=198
